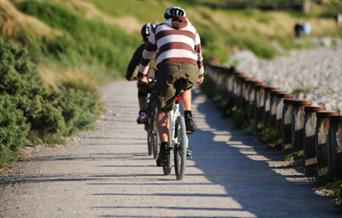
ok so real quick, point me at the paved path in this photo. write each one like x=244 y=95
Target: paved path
x=106 y=173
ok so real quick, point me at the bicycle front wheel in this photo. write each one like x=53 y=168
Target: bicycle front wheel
x=155 y=144
x=180 y=148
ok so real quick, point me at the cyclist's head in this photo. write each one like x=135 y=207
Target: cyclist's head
x=174 y=11
x=146 y=31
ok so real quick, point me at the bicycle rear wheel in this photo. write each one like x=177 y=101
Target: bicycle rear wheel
x=180 y=148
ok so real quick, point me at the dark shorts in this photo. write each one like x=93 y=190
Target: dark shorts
x=143 y=89
x=172 y=77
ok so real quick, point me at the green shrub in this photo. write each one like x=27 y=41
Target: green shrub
x=271 y=136
x=29 y=113
x=78 y=109
x=20 y=80
x=13 y=129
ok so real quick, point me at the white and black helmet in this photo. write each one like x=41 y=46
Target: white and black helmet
x=174 y=11
x=146 y=30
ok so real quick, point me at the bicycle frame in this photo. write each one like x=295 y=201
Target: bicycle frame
x=173 y=115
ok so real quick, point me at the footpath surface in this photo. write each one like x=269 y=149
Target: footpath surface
x=107 y=173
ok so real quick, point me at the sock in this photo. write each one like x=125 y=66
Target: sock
x=187 y=114
x=163 y=145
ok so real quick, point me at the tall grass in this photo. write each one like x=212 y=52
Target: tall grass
x=89 y=41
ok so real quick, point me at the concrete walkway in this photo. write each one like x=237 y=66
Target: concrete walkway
x=107 y=173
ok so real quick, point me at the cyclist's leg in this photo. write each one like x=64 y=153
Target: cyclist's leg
x=142 y=98
x=190 y=73
x=165 y=92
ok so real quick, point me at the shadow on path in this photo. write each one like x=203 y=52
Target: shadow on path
x=243 y=166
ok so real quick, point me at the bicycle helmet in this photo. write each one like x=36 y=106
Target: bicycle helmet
x=174 y=11
x=146 y=31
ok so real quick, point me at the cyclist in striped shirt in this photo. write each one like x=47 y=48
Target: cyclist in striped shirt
x=177 y=49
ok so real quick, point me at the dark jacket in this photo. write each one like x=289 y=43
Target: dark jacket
x=135 y=61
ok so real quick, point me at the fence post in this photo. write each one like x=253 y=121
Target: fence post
x=238 y=89
x=268 y=103
x=310 y=158
x=321 y=144
x=335 y=146
x=259 y=98
x=280 y=106
x=273 y=111
x=252 y=94
x=287 y=126
x=298 y=122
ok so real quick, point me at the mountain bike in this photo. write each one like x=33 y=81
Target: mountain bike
x=178 y=142
x=150 y=125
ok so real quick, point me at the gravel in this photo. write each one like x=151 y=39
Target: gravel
x=314 y=74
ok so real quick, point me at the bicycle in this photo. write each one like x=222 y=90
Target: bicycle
x=150 y=125
x=178 y=142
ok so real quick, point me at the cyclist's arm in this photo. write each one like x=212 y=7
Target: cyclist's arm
x=134 y=62
x=198 y=49
x=148 y=54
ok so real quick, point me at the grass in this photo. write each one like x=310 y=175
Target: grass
x=260 y=31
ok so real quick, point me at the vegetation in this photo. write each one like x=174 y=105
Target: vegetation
x=223 y=29
x=336 y=187
x=51 y=92
x=29 y=112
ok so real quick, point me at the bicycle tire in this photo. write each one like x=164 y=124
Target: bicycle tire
x=155 y=144
x=168 y=167
x=149 y=143
x=180 y=148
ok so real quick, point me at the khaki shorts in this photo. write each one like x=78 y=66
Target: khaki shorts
x=172 y=77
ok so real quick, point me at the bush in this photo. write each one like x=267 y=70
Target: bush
x=13 y=129
x=78 y=109
x=31 y=114
x=20 y=80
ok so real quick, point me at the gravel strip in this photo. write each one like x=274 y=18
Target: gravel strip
x=314 y=74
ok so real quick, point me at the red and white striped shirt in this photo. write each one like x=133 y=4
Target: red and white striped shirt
x=174 y=41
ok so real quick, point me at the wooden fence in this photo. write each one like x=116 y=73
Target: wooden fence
x=307 y=128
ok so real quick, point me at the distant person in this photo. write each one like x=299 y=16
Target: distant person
x=306 y=28
x=339 y=19
x=298 y=30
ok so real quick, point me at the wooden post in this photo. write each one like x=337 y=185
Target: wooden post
x=297 y=123
x=335 y=146
x=267 y=103
x=273 y=112
x=287 y=126
x=259 y=97
x=310 y=158
x=322 y=149
x=280 y=106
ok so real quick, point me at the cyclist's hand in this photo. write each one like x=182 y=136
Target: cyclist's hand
x=142 y=79
x=200 y=79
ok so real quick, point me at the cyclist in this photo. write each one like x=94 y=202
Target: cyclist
x=134 y=62
x=142 y=87
x=178 y=57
